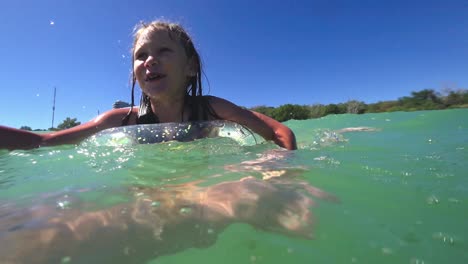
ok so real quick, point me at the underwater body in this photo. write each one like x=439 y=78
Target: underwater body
x=399 y=182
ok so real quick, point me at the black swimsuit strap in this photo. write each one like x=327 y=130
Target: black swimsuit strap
x=146 y=115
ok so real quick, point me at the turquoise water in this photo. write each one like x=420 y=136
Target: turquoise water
x=400 y=183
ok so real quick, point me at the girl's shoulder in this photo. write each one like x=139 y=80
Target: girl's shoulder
x=221 y=108
x=221 y=104
x=217 y=102
x=114 y=117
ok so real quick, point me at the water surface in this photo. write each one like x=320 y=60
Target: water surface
x=400 y=180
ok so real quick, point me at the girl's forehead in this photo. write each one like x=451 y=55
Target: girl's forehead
x=153 y=37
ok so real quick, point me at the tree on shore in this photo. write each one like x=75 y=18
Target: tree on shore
x=266 y=110
x=26 y=128
x=68 y=123
x=355 y=107
x=459 y=97
x=290 y=111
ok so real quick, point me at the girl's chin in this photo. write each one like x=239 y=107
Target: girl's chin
x=162 y=92
x=154 y=91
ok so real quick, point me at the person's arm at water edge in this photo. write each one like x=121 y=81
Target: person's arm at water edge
x=265 y=126
x=12 y=138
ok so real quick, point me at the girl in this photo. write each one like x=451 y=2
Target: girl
x=168 y=70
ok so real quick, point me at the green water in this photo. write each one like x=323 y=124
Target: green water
x=401 y=185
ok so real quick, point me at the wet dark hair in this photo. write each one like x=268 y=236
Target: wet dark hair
x=193 y=94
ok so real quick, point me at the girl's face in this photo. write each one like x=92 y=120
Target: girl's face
x=161 y=66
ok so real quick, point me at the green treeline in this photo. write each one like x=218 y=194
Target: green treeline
x=67 y=123
x=423 y=100
x=426 y=99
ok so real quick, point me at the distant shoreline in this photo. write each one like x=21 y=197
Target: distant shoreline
x=418 y=101
x=423 y=100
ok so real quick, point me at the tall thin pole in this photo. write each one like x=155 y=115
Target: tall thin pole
x=53 y=107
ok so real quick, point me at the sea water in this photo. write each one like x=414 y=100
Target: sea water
x=400 y=180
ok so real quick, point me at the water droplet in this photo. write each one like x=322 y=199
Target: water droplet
x=66 y=259
x=432 y=200
x=63 y=205
x=320 y=158
x=70 y=156
x=185 y=210
x=387 y=251
x=51 y=23
x=449 y=240
x=126 y=251
x=416 y=261
x=445 y=238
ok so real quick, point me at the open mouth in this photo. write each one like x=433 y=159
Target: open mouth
x=154 y=77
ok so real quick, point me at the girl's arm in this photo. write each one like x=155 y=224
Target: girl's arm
x=185 y=216
x=265 y=126
x=12 y=138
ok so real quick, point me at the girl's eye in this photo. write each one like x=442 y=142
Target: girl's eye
x=164 y=50
x=141 y=56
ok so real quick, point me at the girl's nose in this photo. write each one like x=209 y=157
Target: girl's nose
x=150 y=61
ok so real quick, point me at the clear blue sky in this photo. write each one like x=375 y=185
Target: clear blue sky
x=254 y=52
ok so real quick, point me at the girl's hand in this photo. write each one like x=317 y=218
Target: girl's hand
x=279 y=205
